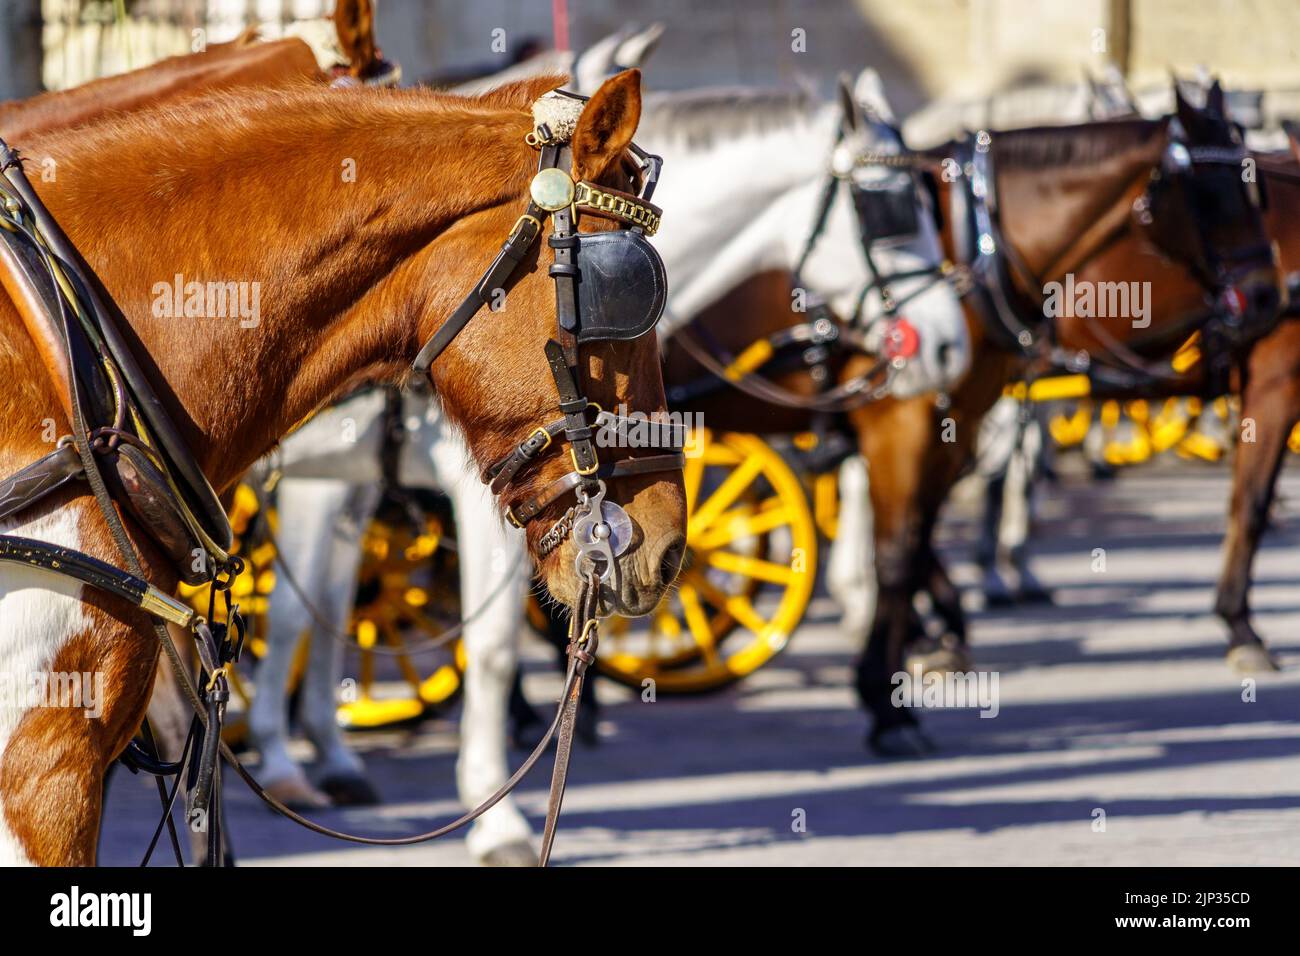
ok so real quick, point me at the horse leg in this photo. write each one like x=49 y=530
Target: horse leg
x=340 y=774
x=1271 y=401
x=893 y=437
x=308 y=512
x=1017 y=515
x=488 y=553
x=93 y=663
x=849 y=576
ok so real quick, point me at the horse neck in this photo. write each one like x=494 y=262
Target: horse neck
x=749 y=199
x=225 y=66
x=1045 y=207
x=1282 y=218
x=339 y=270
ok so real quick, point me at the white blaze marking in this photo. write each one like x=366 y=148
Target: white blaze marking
x=39 y=613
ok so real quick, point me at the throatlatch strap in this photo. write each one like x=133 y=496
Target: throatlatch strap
x=516 y=246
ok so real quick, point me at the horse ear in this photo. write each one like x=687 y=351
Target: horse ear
x=607 y=125
x=848 y=105
x=636 y=49
x=354 y=22
x=1214 y=99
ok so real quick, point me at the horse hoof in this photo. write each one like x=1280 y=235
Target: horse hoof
x=905 y=740
x=998 y=598
x=297 y=794
x=350 y=790
x=515 y=853
x=1035 y=594
x=1252 y=659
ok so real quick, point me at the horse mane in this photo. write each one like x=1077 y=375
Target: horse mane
x=704 y=117
x=1075 y=146
x=181 y=137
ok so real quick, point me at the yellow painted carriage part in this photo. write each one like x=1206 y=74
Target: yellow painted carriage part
x=1188 y=354
x=753 y=358
x=747 y=580
x=1068 y=430
x=826 y=504
x=1294 y=441
x=1052 y=388
x=397 y=609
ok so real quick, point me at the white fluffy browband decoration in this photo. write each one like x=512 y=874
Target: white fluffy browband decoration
x=559 y=113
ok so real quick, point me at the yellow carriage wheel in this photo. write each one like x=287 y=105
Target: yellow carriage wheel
x=407 y=593
x=251 y=590
x=746 y=582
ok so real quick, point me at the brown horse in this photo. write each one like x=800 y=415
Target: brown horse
x=243 y=62
x=1054 y=186
x=361 y=220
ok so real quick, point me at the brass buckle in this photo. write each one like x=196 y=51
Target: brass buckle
x=545 y=434
x=515 y=228
x=510 y=516
x=573 y=457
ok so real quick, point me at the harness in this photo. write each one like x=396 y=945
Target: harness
x=1001 y=281
x=67 y=313
x=886 y=212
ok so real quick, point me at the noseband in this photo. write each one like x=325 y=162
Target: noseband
x=609 y=286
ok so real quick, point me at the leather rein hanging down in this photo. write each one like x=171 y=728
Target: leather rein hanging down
x=78 y=301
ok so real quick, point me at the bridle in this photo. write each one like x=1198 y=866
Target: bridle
x=599 y=528
x=619 y=296
x=885 y=213
x=1000 y=280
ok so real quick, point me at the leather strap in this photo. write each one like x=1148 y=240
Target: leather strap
x=38 y=479
x=624 y=468
x=521 y=239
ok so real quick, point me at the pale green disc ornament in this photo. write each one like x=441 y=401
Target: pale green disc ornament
x=552 y=189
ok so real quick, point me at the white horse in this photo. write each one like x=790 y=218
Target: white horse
x=329 y=492
x=741 y=224
x=744 y=173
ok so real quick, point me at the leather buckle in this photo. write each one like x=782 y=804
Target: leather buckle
x=595 y=466
x=546 y=436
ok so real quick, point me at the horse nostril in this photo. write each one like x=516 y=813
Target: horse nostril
x=671 y=561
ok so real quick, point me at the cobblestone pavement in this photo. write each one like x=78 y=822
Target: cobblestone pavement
x=1116 y=699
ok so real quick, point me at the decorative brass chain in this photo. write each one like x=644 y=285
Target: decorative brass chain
x=587 y=196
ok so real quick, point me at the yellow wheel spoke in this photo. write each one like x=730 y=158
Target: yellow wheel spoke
x=740 y=523
x=737 y=605
x=698 y=622
x=727 y=492
x=693 y=470
x=768 y=571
